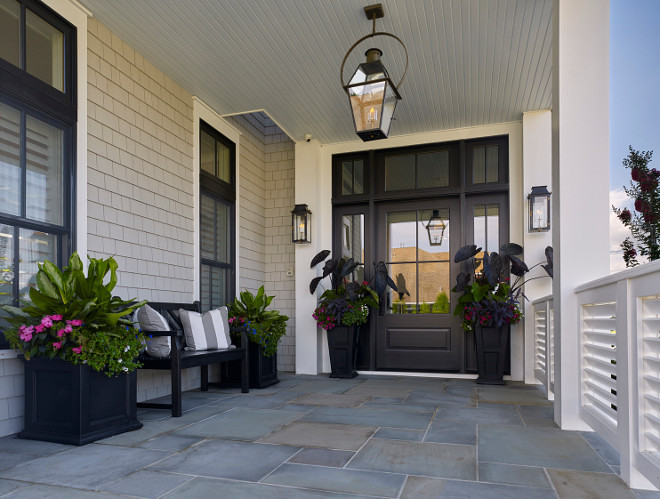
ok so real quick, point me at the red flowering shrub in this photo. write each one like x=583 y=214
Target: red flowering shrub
x=644 y=224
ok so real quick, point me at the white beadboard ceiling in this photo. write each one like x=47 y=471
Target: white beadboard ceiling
x=472 y=62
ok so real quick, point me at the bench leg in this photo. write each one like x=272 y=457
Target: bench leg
x=205 y=378
x=245 y=374
x=176 y=391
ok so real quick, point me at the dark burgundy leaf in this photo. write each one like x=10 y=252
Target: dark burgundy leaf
x=322 y=255
x=509 y=249
x=314 y=284
x=466 y=252
x=518 y=267
x=548 y=269
x=495 y=269
x=549 y=254
x=462 y=281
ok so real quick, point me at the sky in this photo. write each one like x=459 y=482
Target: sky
x=634 y=99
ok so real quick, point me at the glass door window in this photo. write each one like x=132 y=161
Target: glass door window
x=419 y=262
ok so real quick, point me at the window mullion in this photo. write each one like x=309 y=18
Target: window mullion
x=22 y=28
x=23 y=161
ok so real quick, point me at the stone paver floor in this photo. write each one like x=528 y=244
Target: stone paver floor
x=311 y=436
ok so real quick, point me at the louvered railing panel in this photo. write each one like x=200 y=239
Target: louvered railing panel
x=599 y=366
x=651 y=372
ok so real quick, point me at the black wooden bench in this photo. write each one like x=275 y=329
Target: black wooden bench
x=182 y=359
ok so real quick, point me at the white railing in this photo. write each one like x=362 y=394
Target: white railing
x=619 y=372
x=544 y=358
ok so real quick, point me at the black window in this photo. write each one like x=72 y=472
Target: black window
x=217 y=210
x=37 y=137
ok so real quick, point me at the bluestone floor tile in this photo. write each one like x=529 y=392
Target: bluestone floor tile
x=513 y=475
x=171 y=442
x=31 y=447
x=257 y=402
x=418 y=487
x=379 y=391
x=324 y=386
x=148 y=484
x=89 y=467
x=326 y=435
x=240 y=424
x=537 y=411
x=337 y=480
x=7 y=486
x=540 y=423
x=224 y=459
x=541 y=447
x=400 y=434
x=436 y=399
x=604 y=450
x=52 y=492
x=331 y=399
x=398 y=407
x=204 y=487
x=10 y=459
x=581 y=485
x=323 y=457
x=433 y=460
x=511 y=395
x=647 y=494
x=390 y=418
x=495 y=414
x=452 y=432
x=149 y=430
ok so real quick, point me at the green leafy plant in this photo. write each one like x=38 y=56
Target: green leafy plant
x=347 y=302
x=441 y=304
x=265 y=327
x=74 y=317
x=644 y=222
x=491 y=300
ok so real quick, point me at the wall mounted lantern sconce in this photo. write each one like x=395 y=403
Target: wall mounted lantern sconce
x=301 y=224
x=436 y=229
x=371 y=93
x=539 y=209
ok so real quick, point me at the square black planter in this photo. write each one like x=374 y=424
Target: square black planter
x=262 y=370
x=343 y=346
x=73 y=404
x=492 y=345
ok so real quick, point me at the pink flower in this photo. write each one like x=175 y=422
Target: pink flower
x=77 y=350
x=57 y=345
x=26 y=332
x=75 y=322
x=46 y=321
x=56 y=317
x=61 y=333
x=68 y=328
x=39 y=328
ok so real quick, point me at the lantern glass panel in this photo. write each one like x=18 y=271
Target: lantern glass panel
x=367 y=104
x=539 y=212
x=389 y=105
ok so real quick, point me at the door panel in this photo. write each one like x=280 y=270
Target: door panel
x=486 y=225
x=418 y=330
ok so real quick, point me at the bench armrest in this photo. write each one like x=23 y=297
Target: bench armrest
x=243 y=331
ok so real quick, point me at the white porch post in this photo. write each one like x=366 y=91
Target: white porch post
x=580 y=176
x=311 y=187
x=537 y=170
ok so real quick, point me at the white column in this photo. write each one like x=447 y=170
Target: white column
x=311 y=187
x=580 y=176
x=537 y=171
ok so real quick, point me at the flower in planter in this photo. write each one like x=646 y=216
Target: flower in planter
x=264 y=327
x=491 y=300
x=74 y=317
x=347 y=303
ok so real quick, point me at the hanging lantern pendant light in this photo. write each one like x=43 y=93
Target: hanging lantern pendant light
x=371 y=93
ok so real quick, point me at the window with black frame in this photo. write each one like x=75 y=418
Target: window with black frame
x=217 y=209
x=37 y=132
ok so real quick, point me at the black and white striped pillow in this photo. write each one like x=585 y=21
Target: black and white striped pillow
x=204 y=332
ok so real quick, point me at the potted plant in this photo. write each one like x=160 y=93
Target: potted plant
x=490 y=303
x=265 y=328
x=344 y=308
x=80 y=354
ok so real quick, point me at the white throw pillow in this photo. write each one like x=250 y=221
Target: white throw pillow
x=204 y=332
x=150 y=320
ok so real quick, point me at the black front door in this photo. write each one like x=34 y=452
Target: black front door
x=416 y=239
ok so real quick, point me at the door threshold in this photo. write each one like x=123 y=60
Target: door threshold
x=425 y=375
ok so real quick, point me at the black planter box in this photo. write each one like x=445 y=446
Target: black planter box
x=343 y=347
x=73 y=404
x=262 y=370
x=492 y=345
